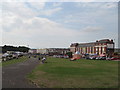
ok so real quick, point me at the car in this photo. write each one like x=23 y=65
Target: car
x=108 y=58
x=14 y=56
x=113 y=58
x=5 y=57
x=66 y=56
x=101 y=58
x=55 y=56
x=92 y=57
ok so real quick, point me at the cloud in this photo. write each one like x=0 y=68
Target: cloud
x=37 y=25
x=8 y=18
x=34 y=31
x=110 y=5
x=90 y=29
x=56 y=4
x=92 y=14
x=61 y=1
x=21 y=25
x=26 y=1
x=107 y=5
x=18 y=8
x=80 y=18
x=41 y=32
x=88 y=4
x=49 y=12
x=37 y=5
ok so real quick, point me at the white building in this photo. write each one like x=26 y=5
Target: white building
x=42 y=51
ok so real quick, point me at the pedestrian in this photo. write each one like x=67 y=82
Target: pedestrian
x=39 y=58
x=29 y=56
x=43 y=60
x=34 y=56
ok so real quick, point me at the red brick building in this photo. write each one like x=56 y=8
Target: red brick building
x=104 y=46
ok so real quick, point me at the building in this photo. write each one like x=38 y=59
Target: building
x=104 y=46
x=42 y=51
x=53 y=51
x=33 y=51
x=117 y=50
x=50 y=51
x=58 y=51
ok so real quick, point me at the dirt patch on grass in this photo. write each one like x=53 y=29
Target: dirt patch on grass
x=40 y=73
x=44 y=82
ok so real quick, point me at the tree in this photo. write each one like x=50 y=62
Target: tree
x=6 y=48
x=69 y=54
x=23 y=49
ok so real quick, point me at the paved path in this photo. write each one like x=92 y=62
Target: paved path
x=13 y=76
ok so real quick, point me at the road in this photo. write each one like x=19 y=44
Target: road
x=14 y=76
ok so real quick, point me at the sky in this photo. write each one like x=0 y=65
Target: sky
x=58 y=24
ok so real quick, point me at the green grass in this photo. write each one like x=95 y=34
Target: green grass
x=62 y=73
x=13 y=61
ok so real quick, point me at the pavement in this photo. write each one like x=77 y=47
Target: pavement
x=14 y=76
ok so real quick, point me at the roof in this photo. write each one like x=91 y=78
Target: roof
x=92 y=43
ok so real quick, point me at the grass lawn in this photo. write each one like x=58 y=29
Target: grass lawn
x=62 y=73
x=13 y=61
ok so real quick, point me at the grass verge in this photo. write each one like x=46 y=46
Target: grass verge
x=13 y=61
x=62 y=73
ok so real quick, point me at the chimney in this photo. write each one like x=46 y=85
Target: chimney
x=76 y=44
x=111 y=40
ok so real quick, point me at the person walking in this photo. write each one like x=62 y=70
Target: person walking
x=43 y=60
x=39 y=58
x=29 y=56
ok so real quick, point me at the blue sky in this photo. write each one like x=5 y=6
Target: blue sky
x=58 y=24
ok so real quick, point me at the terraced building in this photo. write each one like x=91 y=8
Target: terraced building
x=104 y=46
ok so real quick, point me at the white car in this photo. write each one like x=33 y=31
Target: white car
x=5 y=55
x=66 y=56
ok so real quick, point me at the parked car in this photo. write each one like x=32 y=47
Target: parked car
x=66 y=56
x=14 y=55
x=9 y=57
x=5 y=57
x=86 y=56
x=55 y=56
x=101 y=58
x=108 y=58
x=113 y=58
x=92 y=56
